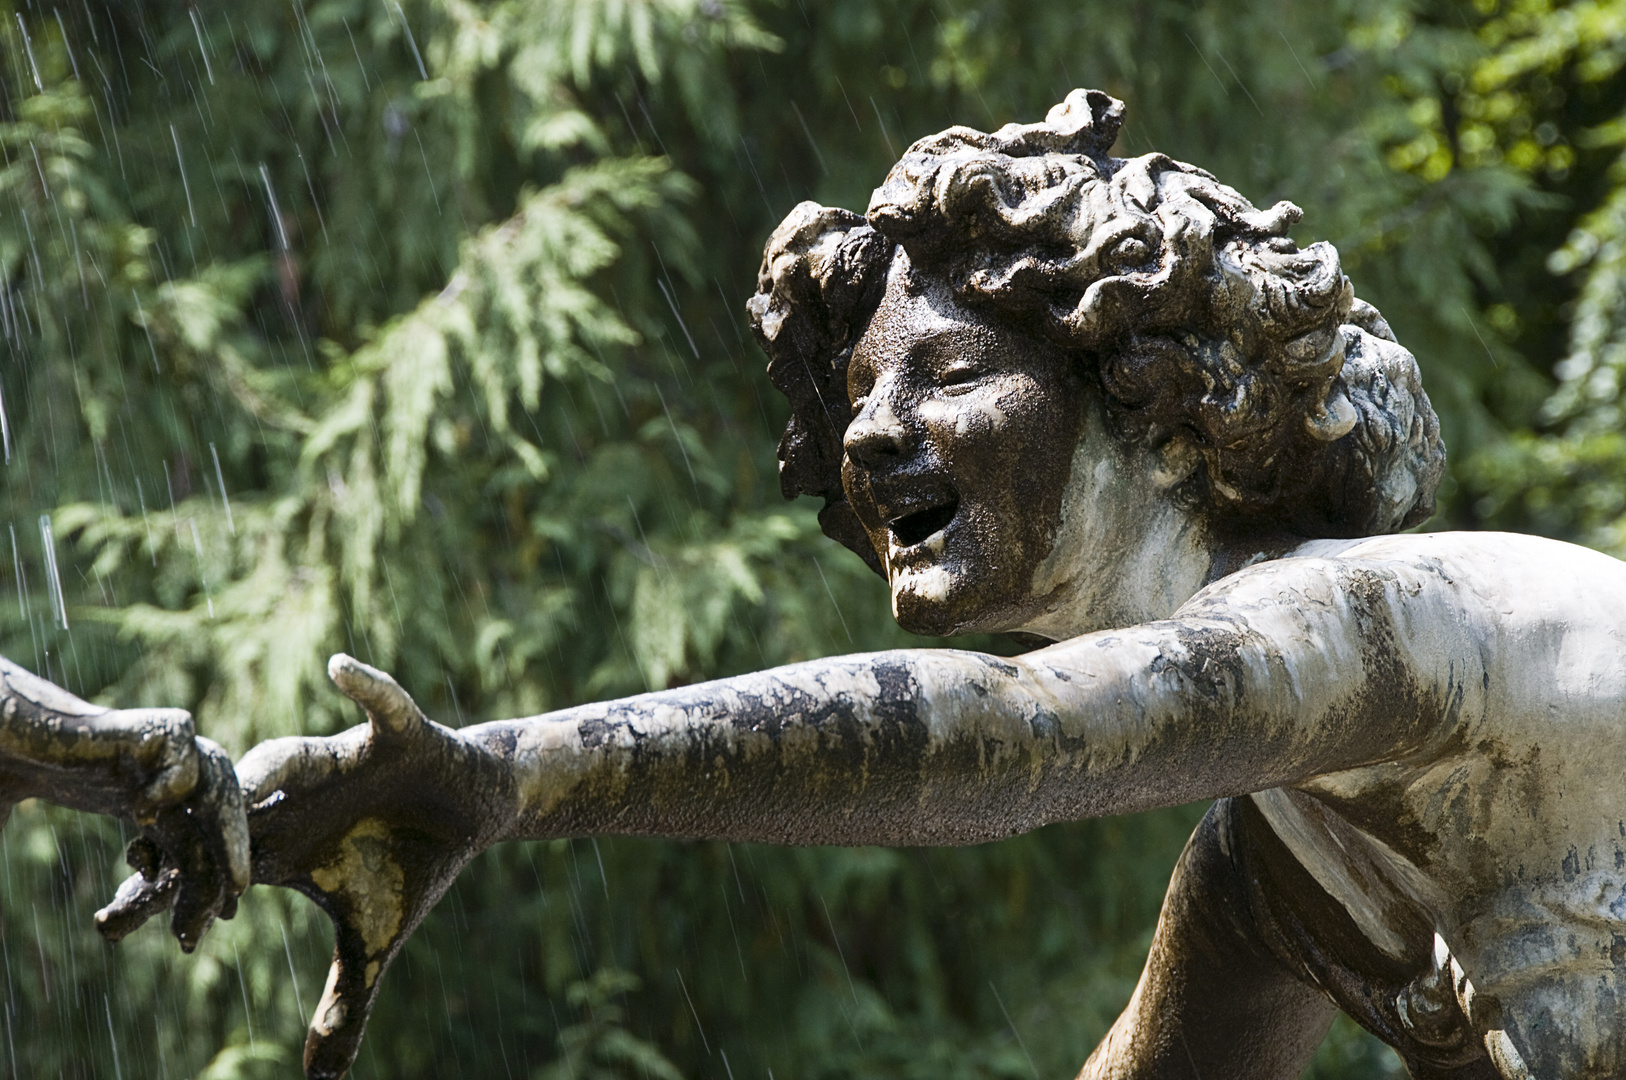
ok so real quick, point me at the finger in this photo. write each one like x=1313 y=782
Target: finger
x=196 y=904
x=278 y=763
x=190 y=855
x=143 y=856
x=138 y=899
x=364 y=943
x=391 y=710
x=340 y=1019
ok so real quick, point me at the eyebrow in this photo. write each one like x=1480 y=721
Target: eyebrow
x=932 y=336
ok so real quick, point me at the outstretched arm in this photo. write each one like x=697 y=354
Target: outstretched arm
x=1238 y=693
x=1286 y=671
x=144 y=765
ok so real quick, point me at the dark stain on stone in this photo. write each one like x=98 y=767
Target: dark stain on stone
x=1571 y=864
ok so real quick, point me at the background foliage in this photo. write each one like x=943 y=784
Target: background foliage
x=414 y=329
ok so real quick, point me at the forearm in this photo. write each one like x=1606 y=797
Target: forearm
x=129 y=762
x=901 y=748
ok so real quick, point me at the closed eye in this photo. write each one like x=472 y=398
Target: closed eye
x=960 y=376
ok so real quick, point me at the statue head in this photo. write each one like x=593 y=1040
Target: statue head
x=1022 y=322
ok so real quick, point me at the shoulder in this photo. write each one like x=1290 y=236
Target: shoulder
x=1416 y=579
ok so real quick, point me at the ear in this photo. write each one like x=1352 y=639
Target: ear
x=1178 y=458
x=1334 y=417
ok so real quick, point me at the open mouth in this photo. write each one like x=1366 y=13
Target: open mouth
x=911 y=529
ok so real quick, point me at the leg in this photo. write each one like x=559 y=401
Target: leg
x=1213 y=1002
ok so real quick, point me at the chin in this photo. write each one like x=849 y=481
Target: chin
x=921 y=600
x=930 y=601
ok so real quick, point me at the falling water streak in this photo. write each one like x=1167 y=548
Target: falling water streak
x=198 y=30
x=678 y=316
x=142 y=315
x=5 y=428
x=59 y=607
x=17 y=570
x=186 y=185
x=299 y=1000
x=316 y=204
x=242 y=984
x=693 y=1012
x=604 y=879
x=738 y=884
x=729 y=1068
x=1209 y=66
x=835 y=937
x=739 y=952
x=434 y=191
x=152 y=545
x=1469 y=319
x=856 y=123
x=158 y=1038
x=366 y=83
x=1239 y=82
x=45 y=186
x=1012 y=1023
x=1307 y=76
x=118 y=1070
x=197 y=545
x=810 y=140
x=221 y=479
x=817 y=565
x=66 y=44
x=276 y=210
x=5 y=957
x=884 y=134
x=28 y=46
x=11 y=1039
x=676 y=437
x=416 y=55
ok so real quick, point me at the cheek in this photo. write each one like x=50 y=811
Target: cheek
x=969 y=418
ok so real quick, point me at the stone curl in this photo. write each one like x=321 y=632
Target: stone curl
x=1277 y=399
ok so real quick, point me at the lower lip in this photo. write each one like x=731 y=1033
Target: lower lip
x=932 y=545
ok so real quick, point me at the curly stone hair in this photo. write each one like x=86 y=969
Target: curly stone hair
x=1247 y=361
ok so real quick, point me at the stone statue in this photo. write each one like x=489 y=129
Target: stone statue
x=1110 y=404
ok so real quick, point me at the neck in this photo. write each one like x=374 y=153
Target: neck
x=1127 y=552
x=1127 y=576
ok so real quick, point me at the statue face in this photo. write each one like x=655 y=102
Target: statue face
x=958 y=458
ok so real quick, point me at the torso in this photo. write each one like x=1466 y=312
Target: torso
x=1504 y=833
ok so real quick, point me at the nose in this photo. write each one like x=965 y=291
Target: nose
x=875 y=435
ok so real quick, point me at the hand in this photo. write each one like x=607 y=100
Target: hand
x=373 y=824
x=140 y=764
x=192 y=856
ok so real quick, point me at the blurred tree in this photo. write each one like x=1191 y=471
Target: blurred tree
x=414 y=329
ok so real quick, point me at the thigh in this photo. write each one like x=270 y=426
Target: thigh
x=1214 y=1002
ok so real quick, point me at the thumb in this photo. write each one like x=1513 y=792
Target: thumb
x=390 y=709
